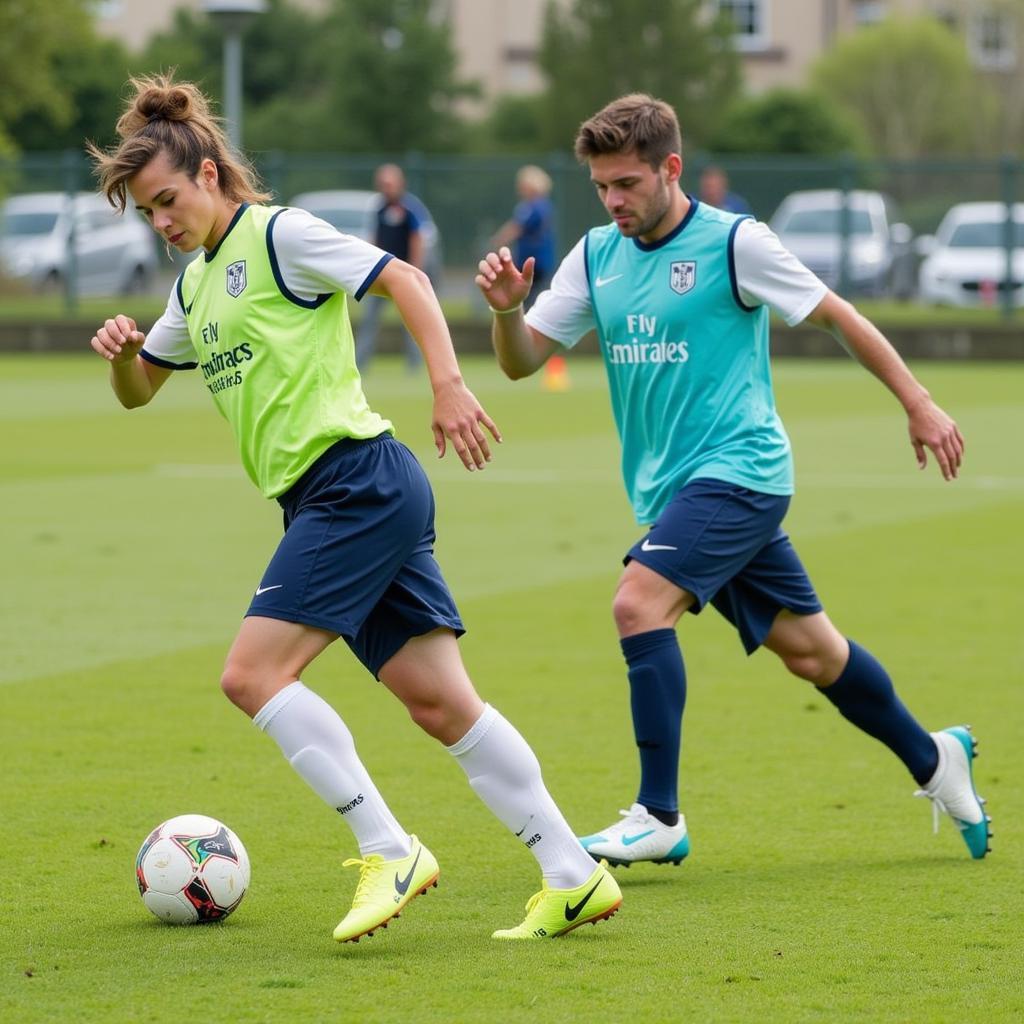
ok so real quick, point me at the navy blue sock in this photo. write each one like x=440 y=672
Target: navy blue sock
x=657 y=687
x=864 y=695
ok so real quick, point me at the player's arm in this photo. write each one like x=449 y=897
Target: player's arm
x=768 y=273
x=134 y=380
x=458 y=416
x=930 y=427
x=521 y=349
x=313 y=258
x=509 y=232
x=416 y=248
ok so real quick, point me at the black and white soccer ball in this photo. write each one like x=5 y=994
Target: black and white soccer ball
x=192 y=869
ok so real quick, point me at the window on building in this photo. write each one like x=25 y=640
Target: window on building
x=870 y=12
x=751 y=20
x=992 y=39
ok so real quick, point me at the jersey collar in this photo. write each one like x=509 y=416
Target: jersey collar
x=651 y=246
x=211 y=255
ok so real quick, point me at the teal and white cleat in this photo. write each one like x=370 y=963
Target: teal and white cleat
x=637 y=837
x=951 y=788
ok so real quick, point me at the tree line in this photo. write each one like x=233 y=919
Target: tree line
x=381 y=76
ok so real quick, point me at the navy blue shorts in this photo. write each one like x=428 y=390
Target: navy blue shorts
x=357 y=555
x=724 y=544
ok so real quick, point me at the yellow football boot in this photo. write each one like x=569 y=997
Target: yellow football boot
x=384 y=889
x=553 y=912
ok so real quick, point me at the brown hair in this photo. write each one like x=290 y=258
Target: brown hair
x=636 y=123
x=171 y=117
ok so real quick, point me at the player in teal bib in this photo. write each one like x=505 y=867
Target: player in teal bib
x=262 y=315
x=679 y=294
x=688 y=367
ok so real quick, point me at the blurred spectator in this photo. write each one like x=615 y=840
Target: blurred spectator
x=397 y=231
x=531 y=229
x=714 y=190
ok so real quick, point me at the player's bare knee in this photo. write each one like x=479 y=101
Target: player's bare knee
x=235 y=684
x=630 y=613
x=432 y=717
x=808 y=665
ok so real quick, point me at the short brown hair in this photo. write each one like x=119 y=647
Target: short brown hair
x=171 y=117
x=636 y=123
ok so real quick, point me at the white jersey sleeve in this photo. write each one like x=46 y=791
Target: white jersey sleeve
x=564 y=313
x=168 y=343
x=314 y=258
x=768 y=274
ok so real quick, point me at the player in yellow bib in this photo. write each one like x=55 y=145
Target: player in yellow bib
x=262 y=315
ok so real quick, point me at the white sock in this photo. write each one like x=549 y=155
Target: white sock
x=320 y=748
x=505 y=774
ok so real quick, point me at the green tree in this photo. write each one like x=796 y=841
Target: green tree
x=512 y=126
x=278 y=78
x=31 y=36
x=92 y=73
x=600 y=49
x=788 y=121
x=910 y=84
x=364 y=76
x=390 y=73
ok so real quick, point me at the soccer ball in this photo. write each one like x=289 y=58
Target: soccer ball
x=192 y=869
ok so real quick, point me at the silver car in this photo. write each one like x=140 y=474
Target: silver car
x=965 y=263
x=878 y=246
x=113 y=253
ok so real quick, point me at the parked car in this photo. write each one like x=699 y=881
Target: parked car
x=353 y=212
x=965 y=261
x=113 y=252
x=879 y=254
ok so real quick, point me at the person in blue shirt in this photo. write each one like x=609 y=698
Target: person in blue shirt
x=531 y=229
x=714 y=190
x=679 y=294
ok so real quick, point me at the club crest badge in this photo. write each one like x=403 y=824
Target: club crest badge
x=682 y=275
x=236 y=279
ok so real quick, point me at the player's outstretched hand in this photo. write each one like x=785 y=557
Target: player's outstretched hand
x=118 y=340
x=931 y=428
x=504 y=286
x=459 y=418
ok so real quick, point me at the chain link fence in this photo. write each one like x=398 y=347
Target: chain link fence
x=469 y=197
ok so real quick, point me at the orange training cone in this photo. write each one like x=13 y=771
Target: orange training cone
x=556 y=375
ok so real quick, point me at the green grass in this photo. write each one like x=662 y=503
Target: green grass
x=815 y=891
x=30 y=308
x=19 y=308
x=914 y=314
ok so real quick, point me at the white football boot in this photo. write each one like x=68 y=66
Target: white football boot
x=951 y=788
x=639 y=836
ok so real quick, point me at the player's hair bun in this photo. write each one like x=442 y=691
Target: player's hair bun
x=158 y=98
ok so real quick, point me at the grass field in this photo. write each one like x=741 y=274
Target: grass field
x=815 y=890
x=461 y=303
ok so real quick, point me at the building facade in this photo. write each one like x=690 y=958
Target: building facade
x=780 y=39
x=496 y=41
